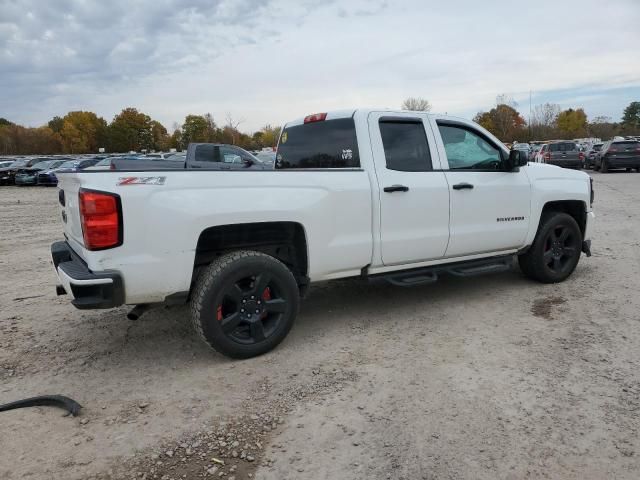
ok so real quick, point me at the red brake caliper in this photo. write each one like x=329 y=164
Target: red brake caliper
x=266 y=296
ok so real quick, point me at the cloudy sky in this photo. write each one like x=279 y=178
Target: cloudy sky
x=271 y=61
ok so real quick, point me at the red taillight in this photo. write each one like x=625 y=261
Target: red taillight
x=612 y=149
x=316 y=117
x=100 y=217
x=581 y=156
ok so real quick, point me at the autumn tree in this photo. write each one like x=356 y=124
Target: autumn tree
x=416 y=104
x=572 y=123
x=81 y=132
x=267 y=136
x=503 y=120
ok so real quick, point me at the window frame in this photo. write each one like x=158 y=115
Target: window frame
x=475 y=131
x=410 y=120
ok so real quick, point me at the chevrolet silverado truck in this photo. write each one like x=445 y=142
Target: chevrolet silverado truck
x=402 y=196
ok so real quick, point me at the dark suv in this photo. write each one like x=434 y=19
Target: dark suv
x=592 y=153
x=563 y=154
x=618 y=154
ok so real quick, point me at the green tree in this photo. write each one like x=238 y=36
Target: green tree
x=131 y=130
x=416 y=104
x=196 y=128
x=5 y=123
x=572 y=123
x=631 y=116
x=56 y=124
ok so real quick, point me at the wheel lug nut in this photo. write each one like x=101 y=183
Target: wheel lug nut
x=253 y=297
x=244 y=300
x=242 y=310
x=257 y=311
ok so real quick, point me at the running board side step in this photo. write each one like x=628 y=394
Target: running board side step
x=421 y=276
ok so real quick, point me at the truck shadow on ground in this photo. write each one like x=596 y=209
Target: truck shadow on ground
x=164 y=335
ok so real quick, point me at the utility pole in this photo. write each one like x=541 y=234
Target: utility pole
x=530 y=138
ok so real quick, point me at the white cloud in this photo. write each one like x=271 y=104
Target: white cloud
x=270 y=61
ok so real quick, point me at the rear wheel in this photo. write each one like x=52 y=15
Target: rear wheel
x=604 y=166
x=555 y=251
x=244 y=303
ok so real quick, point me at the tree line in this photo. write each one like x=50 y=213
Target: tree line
x=548 y=121
x=130 y=130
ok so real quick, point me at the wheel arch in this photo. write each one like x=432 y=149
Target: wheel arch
x=285 y=241
x=576 y=208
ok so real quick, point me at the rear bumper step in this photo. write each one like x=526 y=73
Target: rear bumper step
x=89 y=289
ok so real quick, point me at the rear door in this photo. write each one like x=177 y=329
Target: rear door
x=413 y=191
x=490 y=207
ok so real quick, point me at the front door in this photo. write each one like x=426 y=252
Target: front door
x=413 y=194
x=490 y=207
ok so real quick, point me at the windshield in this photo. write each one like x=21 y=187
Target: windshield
x=18 y=163
x=103 y=163
x=69 y=164
x=42 y=165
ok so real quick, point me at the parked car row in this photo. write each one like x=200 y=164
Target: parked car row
x=42 y=170
x=602 y=156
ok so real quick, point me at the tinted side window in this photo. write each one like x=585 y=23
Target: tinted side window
x=405 y=146
x=468 y=150
x=324 y=144
x=206 y=153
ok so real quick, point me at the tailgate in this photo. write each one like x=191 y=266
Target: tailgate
x=68 y=188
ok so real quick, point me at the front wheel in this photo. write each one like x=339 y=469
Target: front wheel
x=244 y=303
x=555 y=251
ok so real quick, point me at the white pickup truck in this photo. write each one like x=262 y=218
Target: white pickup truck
x=405 y=196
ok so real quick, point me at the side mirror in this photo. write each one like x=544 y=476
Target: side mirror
x=517 y=158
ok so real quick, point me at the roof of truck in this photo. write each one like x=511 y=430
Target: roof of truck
x=346 y=113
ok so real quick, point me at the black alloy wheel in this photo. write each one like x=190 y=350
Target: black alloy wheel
x=560 y=248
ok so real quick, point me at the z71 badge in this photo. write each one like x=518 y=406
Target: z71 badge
x=141 y=180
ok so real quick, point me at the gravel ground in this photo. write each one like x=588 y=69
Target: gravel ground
x=483 y=378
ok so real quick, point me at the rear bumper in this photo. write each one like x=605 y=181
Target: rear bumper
x=566 y=163
x=623 y=162
x=89 y=290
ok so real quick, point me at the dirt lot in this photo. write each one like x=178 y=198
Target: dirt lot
x=489 y=377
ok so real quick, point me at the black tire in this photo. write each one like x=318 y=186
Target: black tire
x=226 y=293
x=555 y=251
x=604 y=166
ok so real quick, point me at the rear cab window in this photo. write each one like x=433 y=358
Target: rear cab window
x=563 y=147
x=319 y=144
